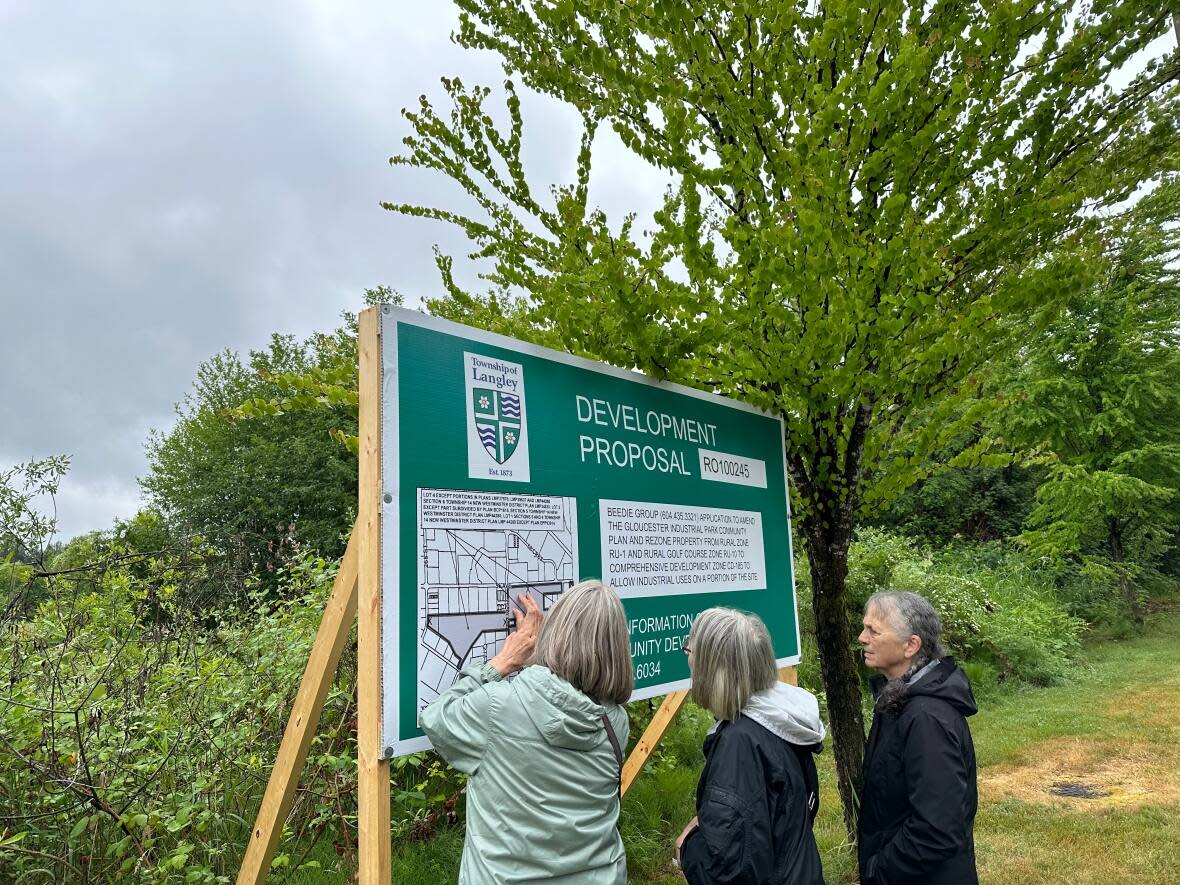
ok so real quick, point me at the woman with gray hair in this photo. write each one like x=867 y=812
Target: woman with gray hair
x=544 y=750
x=758 y=793
x=919 y=797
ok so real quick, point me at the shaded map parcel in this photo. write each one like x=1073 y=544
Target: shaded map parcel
x=479 y=550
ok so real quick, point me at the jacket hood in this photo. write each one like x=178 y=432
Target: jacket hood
x=789 y=712
x=946 y=681
x=563 y=715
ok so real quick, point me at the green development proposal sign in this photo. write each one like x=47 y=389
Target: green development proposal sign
x=510 y=468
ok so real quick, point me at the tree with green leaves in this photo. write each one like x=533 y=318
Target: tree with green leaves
x=1099 y=395
x=973 y=504
x=253 y=487
x=861 y=194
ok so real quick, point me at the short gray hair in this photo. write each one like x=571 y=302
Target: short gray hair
x=584 y=640
x=911 y=615
x=732 y=659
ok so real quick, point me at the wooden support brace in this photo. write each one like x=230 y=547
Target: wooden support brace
x=651 y=737
x=335 y=626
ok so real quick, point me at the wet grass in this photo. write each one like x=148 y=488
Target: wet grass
x=1112 y=727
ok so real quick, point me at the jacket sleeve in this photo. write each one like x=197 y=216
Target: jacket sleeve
x=732 y=840
x=937 y=782
x=457 y=722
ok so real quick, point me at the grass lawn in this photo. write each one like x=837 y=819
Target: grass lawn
x=1113 y=729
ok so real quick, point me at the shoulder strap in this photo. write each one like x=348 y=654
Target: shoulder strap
x=614 y=743
x=810 y=777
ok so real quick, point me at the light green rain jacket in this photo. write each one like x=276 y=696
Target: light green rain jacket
x=542 y=801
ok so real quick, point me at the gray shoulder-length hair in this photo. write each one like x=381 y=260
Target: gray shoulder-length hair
x=732 y=659
x=911 y=615
x=584 y=640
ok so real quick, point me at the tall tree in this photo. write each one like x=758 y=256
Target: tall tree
x=1099 y=394
x=861 y=193
x=251 y=487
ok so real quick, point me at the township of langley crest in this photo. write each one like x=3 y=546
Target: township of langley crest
x=497 y=422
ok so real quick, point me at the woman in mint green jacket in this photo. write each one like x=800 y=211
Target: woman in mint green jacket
x=543 y=750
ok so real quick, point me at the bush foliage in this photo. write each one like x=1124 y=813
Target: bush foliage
x=1001 y=612
x=137 y=736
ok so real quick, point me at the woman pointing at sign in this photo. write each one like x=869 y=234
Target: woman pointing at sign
x=544 y=751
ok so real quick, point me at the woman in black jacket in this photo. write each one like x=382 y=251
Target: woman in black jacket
x=919 y=797
x=758 y=793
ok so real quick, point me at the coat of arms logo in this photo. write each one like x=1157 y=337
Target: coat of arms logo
x=497 y=421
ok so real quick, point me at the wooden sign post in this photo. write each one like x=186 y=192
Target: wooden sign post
x=372 y=768
x=429 y=351
x=357 y=581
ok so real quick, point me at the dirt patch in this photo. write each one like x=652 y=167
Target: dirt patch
x=1130 y=774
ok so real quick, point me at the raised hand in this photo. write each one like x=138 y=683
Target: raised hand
x=518 y=647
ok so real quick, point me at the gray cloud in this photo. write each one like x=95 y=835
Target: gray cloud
x=178 y=180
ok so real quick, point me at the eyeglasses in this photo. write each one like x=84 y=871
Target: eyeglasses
x=687 y=649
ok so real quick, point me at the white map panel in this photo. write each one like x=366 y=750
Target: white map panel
x=477 y=551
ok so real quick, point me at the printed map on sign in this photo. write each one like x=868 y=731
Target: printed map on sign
x=478 y=551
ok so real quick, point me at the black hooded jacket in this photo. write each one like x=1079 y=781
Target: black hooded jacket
x=756 y=800
x=919 y=797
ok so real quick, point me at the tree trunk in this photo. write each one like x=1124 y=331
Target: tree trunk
x=1129 y=591
x=827 y=552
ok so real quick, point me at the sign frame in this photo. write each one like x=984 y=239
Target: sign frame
x=391 y=496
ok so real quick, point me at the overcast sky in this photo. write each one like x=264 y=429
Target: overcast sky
x=179 y=179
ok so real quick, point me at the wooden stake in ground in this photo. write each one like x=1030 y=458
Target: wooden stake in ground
x=650 y=739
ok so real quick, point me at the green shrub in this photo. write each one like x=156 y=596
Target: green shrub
x=984 y=678
x=873 y=560
x=998 y=609
x=138 y=736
